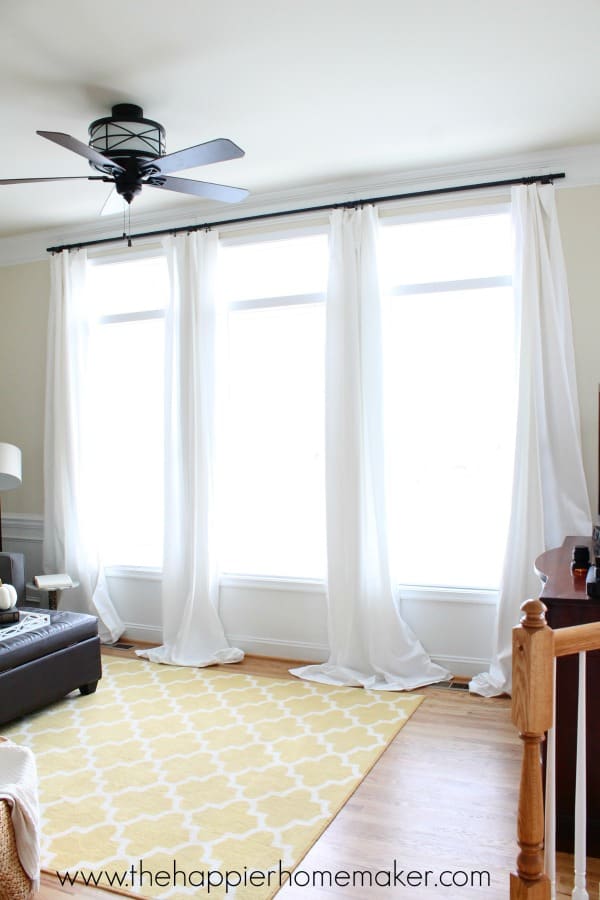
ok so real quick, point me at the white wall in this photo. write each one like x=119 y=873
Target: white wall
x=286 y=622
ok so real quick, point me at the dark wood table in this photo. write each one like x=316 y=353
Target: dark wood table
x=568 y=604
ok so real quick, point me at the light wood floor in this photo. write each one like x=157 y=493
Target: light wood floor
x=443 y=797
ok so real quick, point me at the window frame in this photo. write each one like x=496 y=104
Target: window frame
x=112 y=257
x=420 y=593
x=231 y=239
x=285 y=231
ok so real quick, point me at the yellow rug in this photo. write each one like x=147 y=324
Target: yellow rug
x=175 y=782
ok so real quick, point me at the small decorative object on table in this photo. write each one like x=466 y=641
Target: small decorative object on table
x=54 y=584
x=8 y=596
x=9 y=614
x=8 y=617
x=580 y=560
x=592 y=582
x=26 y=620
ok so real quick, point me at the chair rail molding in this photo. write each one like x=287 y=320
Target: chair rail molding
x=23 y=527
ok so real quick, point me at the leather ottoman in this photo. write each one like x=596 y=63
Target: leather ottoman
x=43 y=665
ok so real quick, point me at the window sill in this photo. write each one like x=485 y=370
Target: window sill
x=476 y=596
x=140 y=573
x=244 y=582
x=273 y=583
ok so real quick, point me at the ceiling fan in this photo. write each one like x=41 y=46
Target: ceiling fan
x=129 y=150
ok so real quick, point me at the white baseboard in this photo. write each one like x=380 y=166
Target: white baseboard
x=298 y=650
x=280 y=649
x=462 y=667
x=292 y=650
x=150 y=634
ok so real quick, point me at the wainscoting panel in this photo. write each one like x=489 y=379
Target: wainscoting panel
x=278 y=618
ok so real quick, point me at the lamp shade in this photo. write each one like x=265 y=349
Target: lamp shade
x=10 y=467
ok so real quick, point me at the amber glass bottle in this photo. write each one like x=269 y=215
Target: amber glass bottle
x=580 y=561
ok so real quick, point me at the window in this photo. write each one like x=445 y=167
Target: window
x=272 y=480
x=449 y=380
x=448 y=401
x=127 y=302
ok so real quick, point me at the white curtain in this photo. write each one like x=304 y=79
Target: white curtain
x=369 y=643
x=192 y=631
x=70 y=544
x=549 y=496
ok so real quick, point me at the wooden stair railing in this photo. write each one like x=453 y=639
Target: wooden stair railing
x=535 y=646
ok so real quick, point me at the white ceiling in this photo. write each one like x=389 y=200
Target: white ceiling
x=313 y=90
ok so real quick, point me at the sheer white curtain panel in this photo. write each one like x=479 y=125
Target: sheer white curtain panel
x=369 y=643
x=193 y=634
x=70 y=541
x=549 y=495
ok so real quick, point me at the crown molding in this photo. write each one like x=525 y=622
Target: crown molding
x=581 y=165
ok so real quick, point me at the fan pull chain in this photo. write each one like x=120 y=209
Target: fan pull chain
x=127 y=224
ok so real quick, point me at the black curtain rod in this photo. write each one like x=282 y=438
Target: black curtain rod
x=348 y=204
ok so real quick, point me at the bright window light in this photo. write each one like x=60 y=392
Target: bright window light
x=273 y=516
x=449 y=249
x=127 y=286
x=274 y=268
x=127 y=376
x=449 y=394
x=448 y=398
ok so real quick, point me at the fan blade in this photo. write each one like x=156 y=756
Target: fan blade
x=71 y=143
x=113 y=204
x=200 y=155
x=202 y=189
x=60 y=178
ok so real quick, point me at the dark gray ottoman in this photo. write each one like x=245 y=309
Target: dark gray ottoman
x=41 y=666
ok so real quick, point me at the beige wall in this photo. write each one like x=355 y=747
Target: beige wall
x=24 y=293
x=579 y=215
x=23 y=320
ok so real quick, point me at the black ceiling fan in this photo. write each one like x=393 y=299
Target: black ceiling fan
x=129 y=150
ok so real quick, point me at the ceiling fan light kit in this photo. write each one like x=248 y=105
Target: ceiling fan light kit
x=126 y=135
x=129 y=151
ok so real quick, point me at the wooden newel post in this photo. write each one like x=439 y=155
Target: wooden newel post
x=532 y=667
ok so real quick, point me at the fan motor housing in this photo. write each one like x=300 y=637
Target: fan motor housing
x=126 y=136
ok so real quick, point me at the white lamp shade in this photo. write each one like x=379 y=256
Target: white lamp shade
x=10 y=467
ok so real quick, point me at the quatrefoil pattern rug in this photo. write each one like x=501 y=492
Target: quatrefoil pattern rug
x=168 y=778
